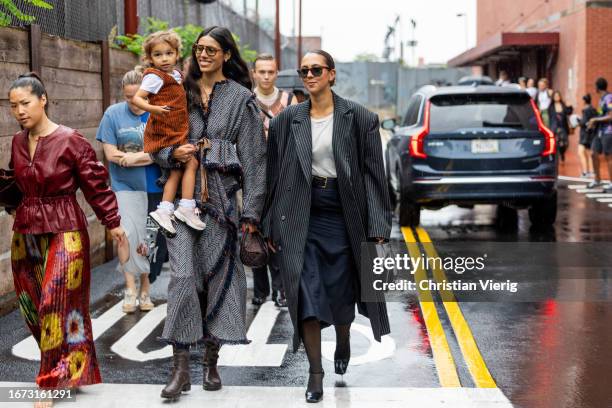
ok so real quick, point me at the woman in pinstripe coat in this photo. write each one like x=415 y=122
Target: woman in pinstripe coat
x=326 y=195
x=207 y=289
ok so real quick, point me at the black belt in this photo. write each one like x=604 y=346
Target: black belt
x=324 y=182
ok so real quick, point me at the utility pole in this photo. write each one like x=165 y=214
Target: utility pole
x=464 y=15
x=299 y=41
x=257 y=13
x=130 y=9
x=277 y=39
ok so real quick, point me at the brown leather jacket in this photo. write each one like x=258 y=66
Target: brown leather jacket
x=64 y=161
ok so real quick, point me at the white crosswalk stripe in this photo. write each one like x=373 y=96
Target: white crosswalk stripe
x=147 y=395
x=597 y=194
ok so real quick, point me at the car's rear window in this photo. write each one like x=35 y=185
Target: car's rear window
x=451 y=113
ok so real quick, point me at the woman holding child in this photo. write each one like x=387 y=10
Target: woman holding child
x=207 y=289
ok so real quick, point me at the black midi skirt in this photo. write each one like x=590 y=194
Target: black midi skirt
x=327 y=283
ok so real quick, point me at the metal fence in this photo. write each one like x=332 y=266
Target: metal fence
x=387 y=85
x=86 y=20
x=93 y=20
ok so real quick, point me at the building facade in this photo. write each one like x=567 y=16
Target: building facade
x=567 y=41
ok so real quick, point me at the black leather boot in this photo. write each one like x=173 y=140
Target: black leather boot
x=179 y=379
x=314 y=390
x=212 y=380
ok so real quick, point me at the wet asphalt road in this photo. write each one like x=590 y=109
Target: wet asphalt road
x=548 y=353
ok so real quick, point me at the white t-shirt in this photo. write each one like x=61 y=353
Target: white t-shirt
x=532 y=91
x=323 y=163
x=153 y=83
x=544 y=100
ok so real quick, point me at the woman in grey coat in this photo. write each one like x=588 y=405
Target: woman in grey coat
x=326 y=196
x=207 y=289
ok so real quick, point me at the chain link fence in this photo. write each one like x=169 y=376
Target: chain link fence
x=85 y=20
x=93 y=20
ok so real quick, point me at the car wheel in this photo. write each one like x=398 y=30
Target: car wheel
x=544 y=212
x=506 y=218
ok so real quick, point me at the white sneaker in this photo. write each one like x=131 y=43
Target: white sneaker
x=129 y=302
x=190 y=217
x=163 y=218
x=145 y=302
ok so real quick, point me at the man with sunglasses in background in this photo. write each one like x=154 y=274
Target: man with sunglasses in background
x=271 y=102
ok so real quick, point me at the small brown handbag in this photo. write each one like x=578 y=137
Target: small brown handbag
x=10 y=195
x=253 y=250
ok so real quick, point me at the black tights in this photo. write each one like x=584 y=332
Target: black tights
x=311 y=336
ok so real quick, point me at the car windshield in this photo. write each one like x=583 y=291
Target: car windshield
x=451 y=113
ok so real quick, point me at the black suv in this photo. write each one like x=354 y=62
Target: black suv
x=472 y=145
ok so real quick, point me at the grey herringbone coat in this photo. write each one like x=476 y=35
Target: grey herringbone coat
x=363 y=190
x=207 y=288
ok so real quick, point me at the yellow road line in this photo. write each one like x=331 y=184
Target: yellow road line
x=443 y=359
x=475 y=363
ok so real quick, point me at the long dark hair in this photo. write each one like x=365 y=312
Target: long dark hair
x=235 y=68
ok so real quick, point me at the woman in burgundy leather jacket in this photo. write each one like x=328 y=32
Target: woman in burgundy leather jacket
x=50 y=246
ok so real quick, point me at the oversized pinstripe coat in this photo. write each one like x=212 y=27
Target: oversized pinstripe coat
x=363 y=192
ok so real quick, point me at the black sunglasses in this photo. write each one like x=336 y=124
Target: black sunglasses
x=316 y=71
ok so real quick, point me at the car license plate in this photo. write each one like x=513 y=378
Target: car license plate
x=485 y=146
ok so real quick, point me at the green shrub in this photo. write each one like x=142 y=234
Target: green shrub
x=188 y=34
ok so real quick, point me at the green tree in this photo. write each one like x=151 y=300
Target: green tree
x=8 y=9
x=188 y=34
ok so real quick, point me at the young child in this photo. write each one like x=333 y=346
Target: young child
x=168 y=126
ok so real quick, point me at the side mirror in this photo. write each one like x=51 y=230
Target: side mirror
x=388 y=124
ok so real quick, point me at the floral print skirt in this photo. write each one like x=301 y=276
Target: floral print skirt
x=52 y=277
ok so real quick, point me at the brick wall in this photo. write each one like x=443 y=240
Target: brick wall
x=585 y=49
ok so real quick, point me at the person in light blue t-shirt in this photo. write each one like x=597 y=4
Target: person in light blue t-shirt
x=133 y=175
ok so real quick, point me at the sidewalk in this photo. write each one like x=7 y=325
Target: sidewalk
x=571 y=166
x=146 y=396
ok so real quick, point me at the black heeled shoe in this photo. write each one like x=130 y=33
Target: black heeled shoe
x=341 y=360
x=314 y=391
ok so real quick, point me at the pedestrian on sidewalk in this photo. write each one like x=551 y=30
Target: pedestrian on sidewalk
x=271 y=102
x=503 y=79
x=586 y=137
x=543 y=99
x=531 y=89
x=602 y=124
x=121 y=134
x=50 y=245
x=558 y=115
x=207 y=289
x=327 y=195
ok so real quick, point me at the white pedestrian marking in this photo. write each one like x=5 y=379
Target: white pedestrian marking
x=147 y=395
x=590 y=190
x=605 y=200
x=127 y=346
x=258 y=353
x=576 y=186
x=28 y=349
x=600 y=195
x=377 y=351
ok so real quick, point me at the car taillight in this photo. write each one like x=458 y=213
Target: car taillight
x=416 y=147
x=550 y=144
